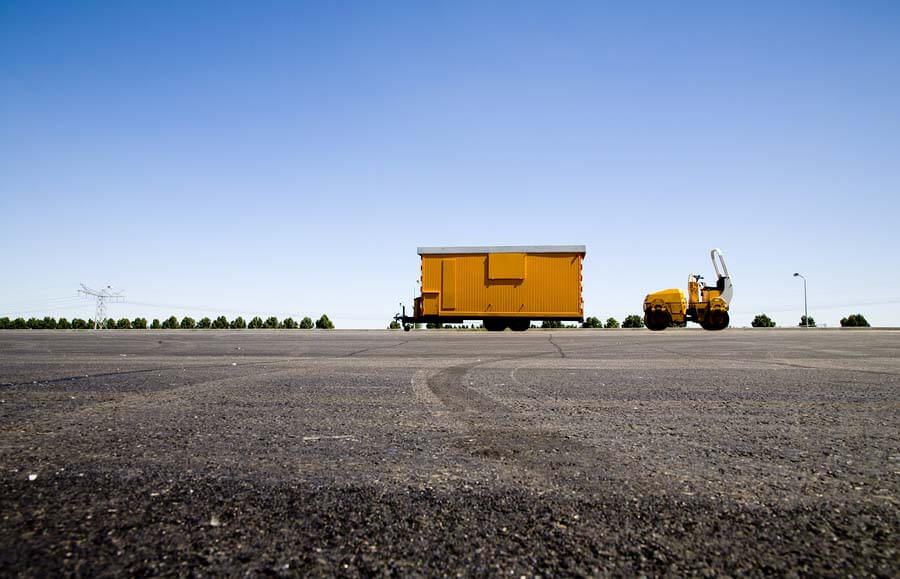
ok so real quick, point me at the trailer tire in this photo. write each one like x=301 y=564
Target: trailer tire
x=495 y=324
x=519 y=324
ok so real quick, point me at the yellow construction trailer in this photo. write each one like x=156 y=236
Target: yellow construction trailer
x=504 y=286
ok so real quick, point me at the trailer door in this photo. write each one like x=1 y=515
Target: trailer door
x=448 y=284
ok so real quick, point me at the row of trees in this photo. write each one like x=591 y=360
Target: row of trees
x=633 y=321
x=47 y=323
x=324 y=323
x=170 y=323
x=636 y=321
x=851 y=321
x=764 y=321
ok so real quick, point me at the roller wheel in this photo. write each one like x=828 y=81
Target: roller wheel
x=519 y=324
x=494 y=324
x=716 y=320
x=657 y=320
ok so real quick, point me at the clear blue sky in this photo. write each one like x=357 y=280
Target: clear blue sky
x=287 y=158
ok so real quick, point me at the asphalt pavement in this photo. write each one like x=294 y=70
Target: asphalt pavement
x=551 y=453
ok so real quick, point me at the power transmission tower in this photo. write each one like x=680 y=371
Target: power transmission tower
x=103 y=296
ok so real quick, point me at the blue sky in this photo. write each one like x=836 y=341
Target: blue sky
x=287 y=158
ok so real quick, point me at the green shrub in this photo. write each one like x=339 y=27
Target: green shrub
x=592 y=322
x=324 y=323
x=271 y=323
x=289 y=324
x=854 y=321
x=238 y=323
x=155 y=325
x=633 y=321
x=803 y=320
x=220 y=323
x=552 y=324
x=188 y=323
x=204 y=323
x=62 y=324
x=762 y=321
x=5 y=323
x=109 y=324
x=306 y=323
x=394 y=325
x=79 y=324
x=139 y=323
x=170 y=323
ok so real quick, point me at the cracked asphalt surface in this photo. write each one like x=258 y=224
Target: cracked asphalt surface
x=354 y=453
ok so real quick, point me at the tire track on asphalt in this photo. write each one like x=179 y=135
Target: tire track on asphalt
x=776 y=362
x=142 y=371
x=447 y=385
x=373 y=348
x=180 y=367
x=838 y=369
x=548 y=456
x=531 y=392
x=135 y=401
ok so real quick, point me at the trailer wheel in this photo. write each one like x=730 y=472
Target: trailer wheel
x=407 y=327
x=519 y=324
x=494 y=324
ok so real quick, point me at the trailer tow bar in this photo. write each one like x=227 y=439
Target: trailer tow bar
x=401 y=317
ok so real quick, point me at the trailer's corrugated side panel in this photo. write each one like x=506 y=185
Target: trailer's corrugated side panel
x=551 y=286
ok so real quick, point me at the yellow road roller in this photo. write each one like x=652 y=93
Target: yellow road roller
x=705 y=305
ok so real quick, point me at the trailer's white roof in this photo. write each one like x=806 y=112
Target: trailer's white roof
x=503 y=249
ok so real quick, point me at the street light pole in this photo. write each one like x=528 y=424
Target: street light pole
x=805 y=310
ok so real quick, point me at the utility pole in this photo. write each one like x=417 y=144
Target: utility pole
x=103 y=296
x=805 y=310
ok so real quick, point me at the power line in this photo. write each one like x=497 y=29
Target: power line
x=784 y=308
x=37 y=307
x=39 y=302
x=189 y=307
x=55 y=308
